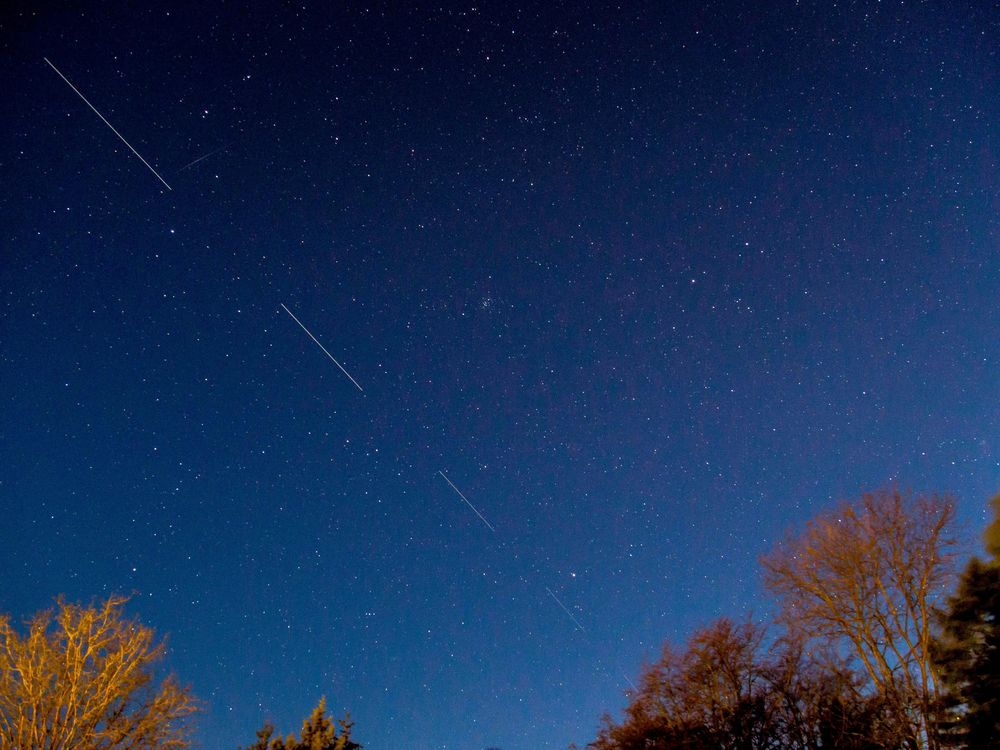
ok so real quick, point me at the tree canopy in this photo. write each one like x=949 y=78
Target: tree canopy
x=83 y=678
x=967 y=651
x=318 y=733
x=865 y=579
x=853 y=666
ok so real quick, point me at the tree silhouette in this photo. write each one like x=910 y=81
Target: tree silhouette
x=725 y=692
x=318 y=733
x=968 y=648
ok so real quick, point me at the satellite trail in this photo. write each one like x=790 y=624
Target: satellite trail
x=106 y=122
x=202 y=158
x=321 y=347
x=467 y=502
x=575 y=621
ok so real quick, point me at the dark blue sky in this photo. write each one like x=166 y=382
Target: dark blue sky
x=650 y=283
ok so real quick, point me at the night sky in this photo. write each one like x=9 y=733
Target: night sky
x=649 y=283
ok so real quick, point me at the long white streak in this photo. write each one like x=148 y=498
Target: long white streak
x=321 y=346
x=107 y=123
x=629 y=679
x=467 y=501
x=202 y=158
x=575 y=621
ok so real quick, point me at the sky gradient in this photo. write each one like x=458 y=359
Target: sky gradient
x=649 y=283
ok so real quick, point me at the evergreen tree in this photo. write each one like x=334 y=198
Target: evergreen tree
x=992 y=534
x=318 y=733
x=968 y=649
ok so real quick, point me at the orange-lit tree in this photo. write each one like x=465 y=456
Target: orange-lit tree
x=82 y=678
x=865 y=578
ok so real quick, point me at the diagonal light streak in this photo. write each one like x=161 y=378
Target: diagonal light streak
x=107 y=123
x=202 y=158
x=467 y=501
x=321 y=347
x=575 y=621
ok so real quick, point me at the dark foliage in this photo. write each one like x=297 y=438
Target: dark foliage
x=967 y=651
x=724 y=692
x=318 y=733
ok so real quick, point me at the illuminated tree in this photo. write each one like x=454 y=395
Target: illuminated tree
x=703 y=697
x=82 y=678
x=724 y=692
x=865 y=578
x=816 y=701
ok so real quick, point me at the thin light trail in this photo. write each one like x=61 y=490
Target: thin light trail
x=107 y=123
x=467 y=501
x=549 y=591
x=575 y=621
x=321 y=347
x=202 y=158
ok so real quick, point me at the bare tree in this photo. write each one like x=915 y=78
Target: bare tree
x=82 y=679
x=709 y=696
x=724 y=691
x=815 y=700
x=867 y=576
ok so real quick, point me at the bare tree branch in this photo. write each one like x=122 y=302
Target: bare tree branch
x=82 y=679
x=866 y=576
